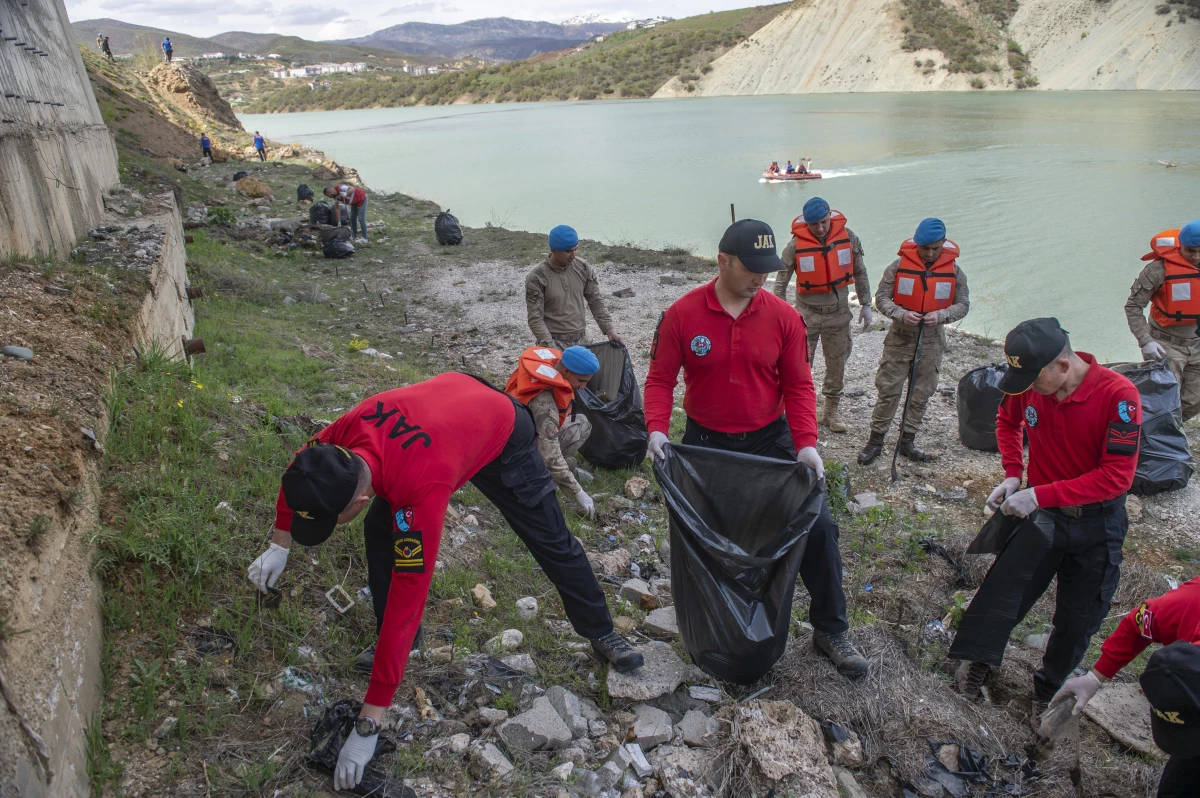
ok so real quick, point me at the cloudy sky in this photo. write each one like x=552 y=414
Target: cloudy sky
x=339 y=19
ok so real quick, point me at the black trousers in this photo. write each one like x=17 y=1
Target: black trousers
x=1085 y=554
x=206 y=152
x=262 y=155
x=821 y=566
x=1180 y=778
x=518 y=483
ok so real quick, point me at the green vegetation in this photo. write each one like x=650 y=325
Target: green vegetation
x=1184 y=9
x=1019 y=63
x=626 y=64
x=930 y=25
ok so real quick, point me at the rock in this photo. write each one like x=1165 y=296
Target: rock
x=635 y=487
x=1038 y=641
x=849 y=785
x=597 y=728
x=672 y=279
x=686 y=772
x=652 y=727
x=956 y=494
x=922 y=507
x=166 y=728
x=610 y=563
x=1121 y=709
x=637 y=760
x=22 y=353
x=527 y=607
x=56 y=290
x=661 y=674
x=863 y=503
x=539 y=729
x=511 y=638
x=849 y=752
x=610 y=775
x=624 y=293
x=661 y=623
x=488 y=762
x=1133 y=509
x=664 y=551
x=638 y=592
x=568 y=707
x=576 y=756
x=563 y=771
x=459 y=743
x=483 y=597
x=254 y=189
x=783 y=742
x=698 y=729
x=492 y=716
x=324 y=173
x=634 y=792
x=623 y=623
x=712 y=695
x=521 y=662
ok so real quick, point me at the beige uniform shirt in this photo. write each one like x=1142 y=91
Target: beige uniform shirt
x=545 y=420
x=840 y=297
x=558 y=300
x=885 y=305
x=1143 y=289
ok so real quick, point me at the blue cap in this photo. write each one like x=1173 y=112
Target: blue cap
x=563 y=238
x=929 y=231
x=815 y=210
x=580 y=360
x=1189 y=236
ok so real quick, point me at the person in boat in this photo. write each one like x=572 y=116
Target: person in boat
x=791 y=170
x=773 y=168
x=801 y=169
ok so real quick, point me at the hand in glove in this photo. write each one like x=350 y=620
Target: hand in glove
x=352 y=762
x=1022 y=503
x=585 y=502
x=1005 y=489
x=866 y=316
x=657 y=441
x=264 y=572
x=1082 y=687
x=1154 y=350
x=809 y=457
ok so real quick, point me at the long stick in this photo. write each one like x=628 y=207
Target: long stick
x=912 y=377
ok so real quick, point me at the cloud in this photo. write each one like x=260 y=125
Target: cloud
x=409 y=9
x=311 y=15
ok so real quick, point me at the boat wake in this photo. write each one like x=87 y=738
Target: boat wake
x=833 y=174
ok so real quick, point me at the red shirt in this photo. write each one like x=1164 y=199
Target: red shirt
x=1169 y=618
x=1083 y=449
x=351 y=194
x=739 y=374
x=422 y=443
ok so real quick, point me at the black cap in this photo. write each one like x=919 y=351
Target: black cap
x=1171 y=683
x=753 y=242
x=317 y=486
x=1030 y=347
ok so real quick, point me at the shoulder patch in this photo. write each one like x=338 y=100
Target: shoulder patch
x=1123 y=438
x=547 y=372
x=544 y=354
x=657 y=334
x=1143 y=619
x=1125 y=411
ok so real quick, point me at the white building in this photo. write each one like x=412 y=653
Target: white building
x=274 y=55
x=250 y=56
x=209 y=56
x=313 y=70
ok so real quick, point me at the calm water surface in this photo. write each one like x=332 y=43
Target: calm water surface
x=1053 y=197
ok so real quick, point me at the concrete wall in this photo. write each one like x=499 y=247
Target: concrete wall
x=57 y=158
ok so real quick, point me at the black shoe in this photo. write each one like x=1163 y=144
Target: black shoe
x=872 y=450
x=620 y=652
x=365 y=661
x=968 y=679
x=909 y=449
x=845 y=657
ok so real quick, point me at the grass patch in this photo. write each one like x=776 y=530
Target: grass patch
x=931 y=25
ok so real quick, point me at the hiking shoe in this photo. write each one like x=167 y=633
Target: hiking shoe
x=872 y=450
x=909 y=449
x=830 y=417
x=842 y=653
x=969 y=677
x=366 y=659
x=619 y=652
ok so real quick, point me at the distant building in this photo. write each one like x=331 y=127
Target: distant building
x=601 y=37
x=209 y=56
x=274 y=55
x=250 y=56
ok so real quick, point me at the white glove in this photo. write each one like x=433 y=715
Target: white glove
x=1005 y=489
x=353 y=759
x=586 y=503
x=1082 y=687
x=264 y=572
x=809 y=457
x=1022 y=503
x=866 y=316
x=1154 y=350
x=657 y=442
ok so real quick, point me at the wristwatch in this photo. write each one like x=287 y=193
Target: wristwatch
x=366 y=727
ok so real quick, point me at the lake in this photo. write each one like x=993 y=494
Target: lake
x=1053 y=197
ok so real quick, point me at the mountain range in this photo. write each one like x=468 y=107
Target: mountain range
x=496 y=38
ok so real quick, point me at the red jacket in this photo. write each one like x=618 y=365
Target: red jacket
x=1170 y=617
x=351 y=194
x=422 y=443
x=1083 y=449
x=739 y=374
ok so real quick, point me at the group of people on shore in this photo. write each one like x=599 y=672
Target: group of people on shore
x=745 y=355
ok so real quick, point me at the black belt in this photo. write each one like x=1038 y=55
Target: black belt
x=705 y=432
x=1090 y=510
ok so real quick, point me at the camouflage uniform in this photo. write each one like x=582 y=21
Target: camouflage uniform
x=557 y=301
x=1180 y=341
x=558 y=445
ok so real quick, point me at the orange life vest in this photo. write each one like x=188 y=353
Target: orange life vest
x=822 y=268
x=1178 y=301
x=922 y=288
x=538 y=371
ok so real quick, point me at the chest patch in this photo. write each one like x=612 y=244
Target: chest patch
x=1181 y=291
x=941 y=290
x=1031 y=416
x=701 y=346
x=808 y=263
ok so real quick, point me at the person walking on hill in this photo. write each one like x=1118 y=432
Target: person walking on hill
x=356 y=198
x=167 y=49
x=826 y=257
x=205 y=146
x=106 y=49
x=545 y=381
x=100 y=42
x=1083 y=423
x=559 y=292
x=404 y=452
x=748 y=389
x=923 y=287
x=1170 y=284
x=260 y=146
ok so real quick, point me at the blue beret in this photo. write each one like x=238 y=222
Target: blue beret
x=815 y=210
x=580 y=360
x=1189 y=236
x=929 y=231
x=563 y=238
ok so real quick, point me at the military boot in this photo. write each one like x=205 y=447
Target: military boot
x=845 y=657
x=829 y=416
x=872 y=450
x=909 y=449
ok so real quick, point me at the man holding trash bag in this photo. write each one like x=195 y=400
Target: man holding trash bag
x=749 y=389
x=1171 y=680
x=1083 y=422
x=404 y=452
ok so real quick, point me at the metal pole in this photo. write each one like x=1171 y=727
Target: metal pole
x=732 y=215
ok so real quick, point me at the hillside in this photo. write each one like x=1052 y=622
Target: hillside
x=496 y=38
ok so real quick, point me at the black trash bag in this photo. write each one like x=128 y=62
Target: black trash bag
x=1164 y=461
x=446 y=228
x=613 y=403
x=739 y=524
x=337 y=248
x=239 y=175
x=979 y=398
x=303 y=192
x=330 y=734
x=994 y=535
x=327 y=234
x=320 y=213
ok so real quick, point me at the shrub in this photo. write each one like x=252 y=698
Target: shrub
x=976 y=83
